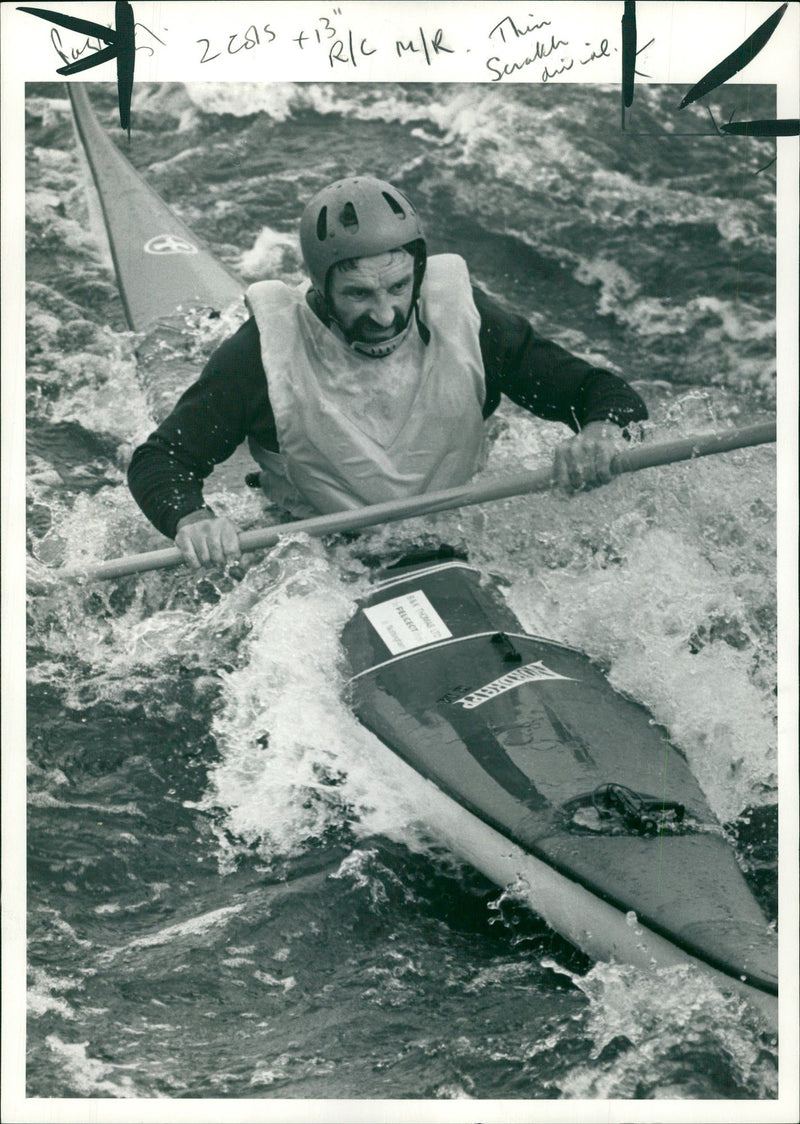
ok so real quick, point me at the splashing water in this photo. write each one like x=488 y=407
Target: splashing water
x=673 y=1047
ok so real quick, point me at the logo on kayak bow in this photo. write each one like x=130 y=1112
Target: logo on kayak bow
x=169 y=244
x=530 y=673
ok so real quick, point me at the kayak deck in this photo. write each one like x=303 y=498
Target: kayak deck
x=161 y=265
x=528 y=736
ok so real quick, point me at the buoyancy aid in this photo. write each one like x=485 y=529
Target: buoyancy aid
x=354 y=430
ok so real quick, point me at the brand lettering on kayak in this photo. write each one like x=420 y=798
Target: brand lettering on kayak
x=169 y=244
x=530 y=673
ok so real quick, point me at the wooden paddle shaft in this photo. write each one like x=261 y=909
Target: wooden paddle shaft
x=523 y=483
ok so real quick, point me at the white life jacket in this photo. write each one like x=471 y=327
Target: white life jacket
x=355 y=430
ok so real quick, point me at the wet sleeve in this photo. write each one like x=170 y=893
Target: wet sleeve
x=544 y=378
x=228 y=403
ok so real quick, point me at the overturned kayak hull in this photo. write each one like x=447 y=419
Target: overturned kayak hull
x=550 y=782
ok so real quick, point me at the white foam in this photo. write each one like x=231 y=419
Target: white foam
x=647 y=1023
x=268 y=257
x=88 y=1076
x=43 y=998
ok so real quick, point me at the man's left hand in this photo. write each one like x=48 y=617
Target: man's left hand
x=584 y=461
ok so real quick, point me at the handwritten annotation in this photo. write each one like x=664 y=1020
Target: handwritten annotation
x=546 y=53
x=547 y=46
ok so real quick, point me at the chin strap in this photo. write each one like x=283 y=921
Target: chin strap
x=374 y=350
x=377 y=350
x=422 y=328
x=386 y=347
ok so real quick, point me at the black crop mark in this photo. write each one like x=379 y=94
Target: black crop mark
x=737 y=60
x=122 y=47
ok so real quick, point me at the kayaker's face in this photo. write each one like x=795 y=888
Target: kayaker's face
x=371 y=297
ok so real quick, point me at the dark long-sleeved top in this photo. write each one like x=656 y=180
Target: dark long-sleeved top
x=230 y=402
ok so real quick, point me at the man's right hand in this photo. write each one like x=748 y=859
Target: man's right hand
x=206 y=539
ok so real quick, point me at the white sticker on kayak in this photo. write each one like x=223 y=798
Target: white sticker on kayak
x=407 y=622
x=169 y=244
x=529 y=673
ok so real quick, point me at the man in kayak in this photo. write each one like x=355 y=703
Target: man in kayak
x=370 y=384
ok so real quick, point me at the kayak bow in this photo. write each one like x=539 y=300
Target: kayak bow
x=161 y=265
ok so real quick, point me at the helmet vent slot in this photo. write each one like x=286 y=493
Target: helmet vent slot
x=322 y=224
x=393 y=203
x=348 y=217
